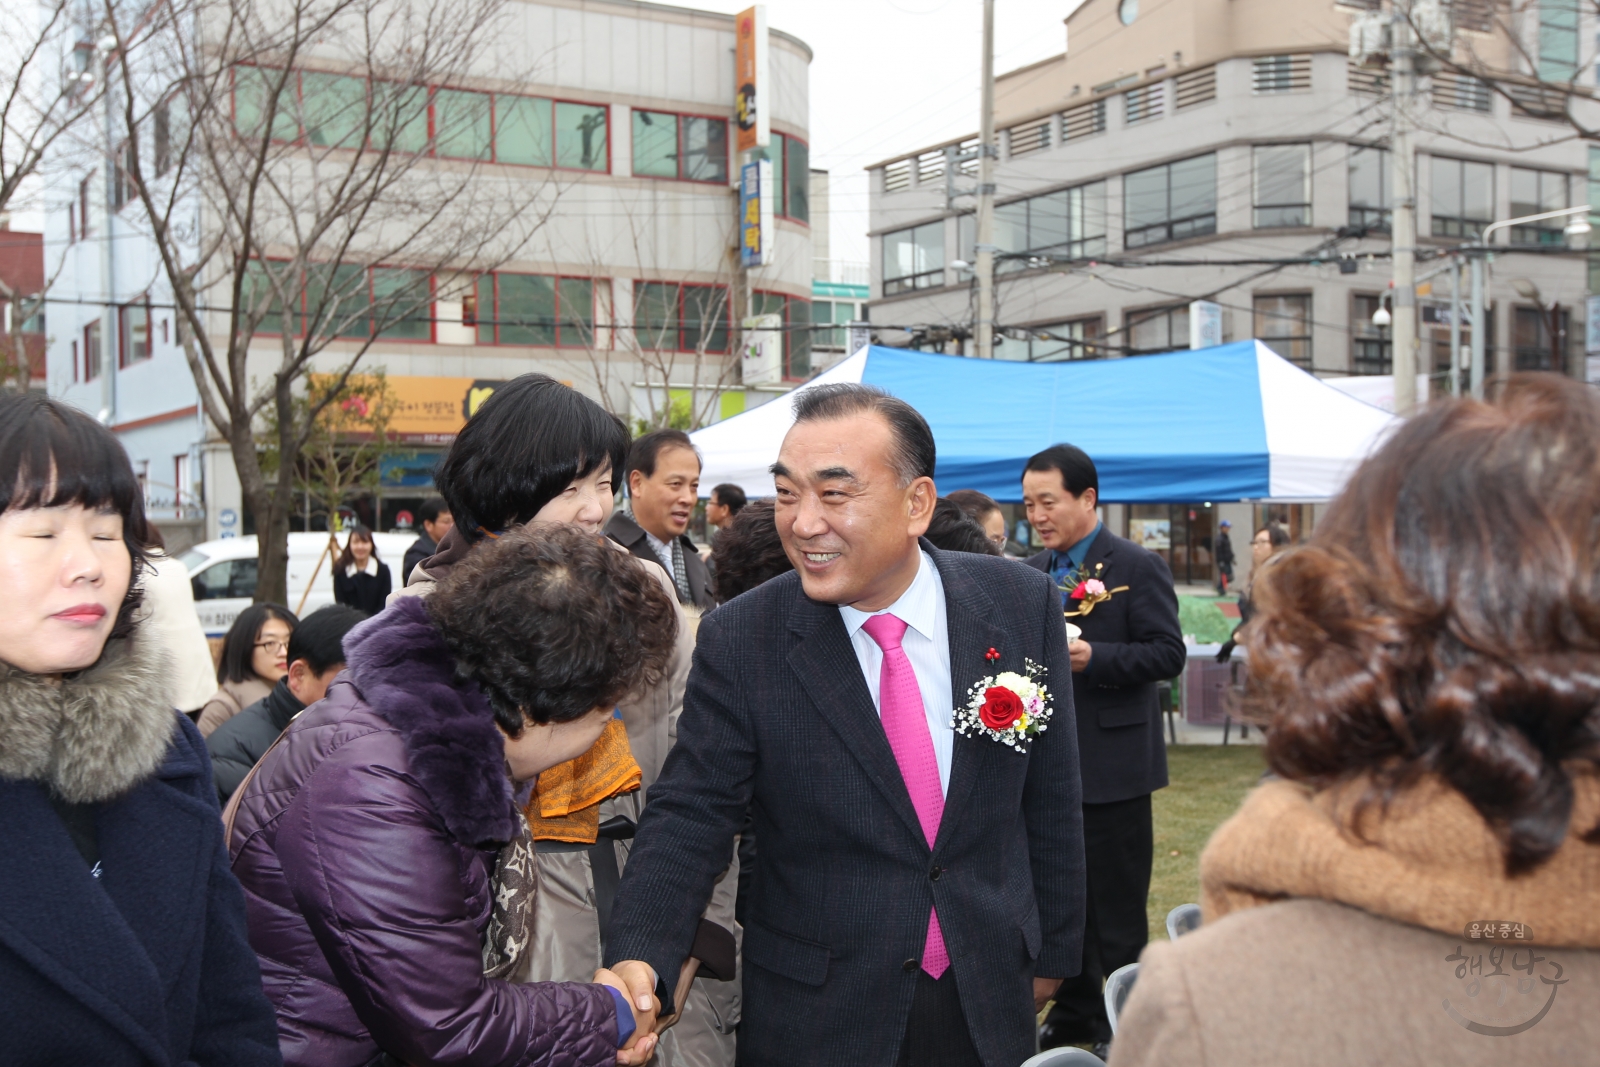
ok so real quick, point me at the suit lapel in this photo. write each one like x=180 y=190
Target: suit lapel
x=971 y=634
x=826 y=665
x=65 y=924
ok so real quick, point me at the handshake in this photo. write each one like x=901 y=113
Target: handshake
x=636 y=981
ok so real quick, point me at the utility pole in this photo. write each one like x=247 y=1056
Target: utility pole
x=987 y=153
x=1455 y=326
x=1475 y=375
x=1403 y=157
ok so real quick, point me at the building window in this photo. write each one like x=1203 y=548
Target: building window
x=582 y=137
x=797 y=165
x=133 y=333
x=91 y=351
x=1282 y=74
x=1532 y=345
x=1534 y=192
x=1594 y=217
x=84 y=198
x=463 y=125
x=522 y=130
x=1070 y=224
x=1283 y=324
x=123 y=189
x=346 y=301
x=1369 y=344
x=264 y=100
x=1370 y=200
x=1463 y=197
x=534 y=309
x=1170 y=202
x=336 y=110
x=797 y=334
x=1558 y=40
x=686 y=147
x=1154 y=330
x=1282 y=185
x=839 y=312
x=914 y=258
x=682 y=318
x=77 y=366
x=1059 y=341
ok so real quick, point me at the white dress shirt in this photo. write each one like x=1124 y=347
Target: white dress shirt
x=926 y=645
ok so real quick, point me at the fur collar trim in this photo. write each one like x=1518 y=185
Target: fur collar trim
x=406 y=674
x=94 y=736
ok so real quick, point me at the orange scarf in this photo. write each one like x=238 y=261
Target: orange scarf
x=566 y=800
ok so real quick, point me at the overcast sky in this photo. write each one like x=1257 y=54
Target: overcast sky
x=891 y=76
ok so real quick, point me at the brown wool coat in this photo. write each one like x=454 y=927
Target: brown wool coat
x=1323 y=949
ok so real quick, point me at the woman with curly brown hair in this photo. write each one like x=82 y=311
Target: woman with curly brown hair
x=387 y=867
x=1422 y=880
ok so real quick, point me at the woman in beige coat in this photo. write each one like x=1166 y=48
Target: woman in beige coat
x=255 y=654
x=1419 y=888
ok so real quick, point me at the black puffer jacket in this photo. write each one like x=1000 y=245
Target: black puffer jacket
x=245 y=738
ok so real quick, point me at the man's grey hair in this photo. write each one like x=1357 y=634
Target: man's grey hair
x=913 y=455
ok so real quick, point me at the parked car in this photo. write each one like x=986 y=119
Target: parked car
x=223 y=574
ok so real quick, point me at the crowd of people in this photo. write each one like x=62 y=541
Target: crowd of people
x=579 y=793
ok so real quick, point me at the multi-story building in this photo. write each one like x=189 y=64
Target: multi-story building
x=630 y=291
x=1206 y=150
x=22 y=314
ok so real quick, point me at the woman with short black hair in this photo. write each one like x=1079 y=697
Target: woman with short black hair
x=368 y=838
x=122 y=931
x=255 y=654
x=749 y=552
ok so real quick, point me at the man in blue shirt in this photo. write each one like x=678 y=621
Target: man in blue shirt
x=1130 y=641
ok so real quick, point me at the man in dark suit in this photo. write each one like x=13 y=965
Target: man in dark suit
x=1129 y=642
x=919 y=891
x=663 y=480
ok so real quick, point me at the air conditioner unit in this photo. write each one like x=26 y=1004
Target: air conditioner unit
x=1369 y=40
x=1431 y=18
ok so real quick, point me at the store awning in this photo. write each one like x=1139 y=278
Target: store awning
x=1234 y=422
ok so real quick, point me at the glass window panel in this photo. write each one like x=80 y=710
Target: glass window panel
x=1149 y=333
x=337 y=301
x=1447 y=187
x=577 y=312
x=966 y=236
x=705 y=318
x=1524 y=192
x=774 y=152
x=655 y=144
x=1283 y=185
x=655 y=315
x=258 y=293
x=1144 y=194
x=400 y=117
x=522 y=130
x=336 y=109
x=486 y=310
x=705 y=149
x=1477 y=191
x=1194 y=187
x=797 y=340
x=1552 y=192
x=581 y=137
x=1558 y=40
x=1047 y=220
x=797 y=199
x=527 y=310
x=1011 y=227
x=1369 y=177
x=767 y=303
x=252 y=87
x=402 y=303
x=135 y=333
x=929 y=247
x=461 y=122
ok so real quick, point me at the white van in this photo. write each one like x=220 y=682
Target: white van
x=223 y=574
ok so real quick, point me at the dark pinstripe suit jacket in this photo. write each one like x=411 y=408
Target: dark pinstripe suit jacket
x=778 y=714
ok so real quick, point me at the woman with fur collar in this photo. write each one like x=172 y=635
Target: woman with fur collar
x=122 y=931
x=389 y=871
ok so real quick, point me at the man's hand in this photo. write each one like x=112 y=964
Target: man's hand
x=637 y=982
x=680 y=993
x=1080 y=652
x=1043 y=990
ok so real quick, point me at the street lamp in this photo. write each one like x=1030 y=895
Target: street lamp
x=1577 y=228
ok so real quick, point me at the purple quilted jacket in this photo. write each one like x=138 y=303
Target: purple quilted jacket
x=365 y=844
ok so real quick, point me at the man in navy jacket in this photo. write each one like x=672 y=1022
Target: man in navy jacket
x=821 y=702
x=1130 y=641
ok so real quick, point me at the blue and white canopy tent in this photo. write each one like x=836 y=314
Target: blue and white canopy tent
x=1234 y=422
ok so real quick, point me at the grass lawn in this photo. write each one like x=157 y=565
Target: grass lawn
x=1208 y=782
x=1200 y=615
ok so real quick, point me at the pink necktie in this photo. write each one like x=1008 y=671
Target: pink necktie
x=906 y=724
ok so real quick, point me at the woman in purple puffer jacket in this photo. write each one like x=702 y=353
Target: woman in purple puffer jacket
x=386 y=865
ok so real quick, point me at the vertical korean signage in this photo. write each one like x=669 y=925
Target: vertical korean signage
x=751 y=79
x=755 y=213
x=1205 y=324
